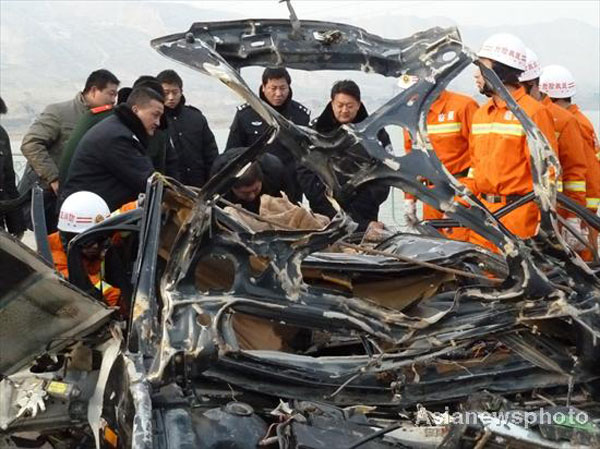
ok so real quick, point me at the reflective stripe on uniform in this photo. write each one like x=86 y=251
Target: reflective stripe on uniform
x=498 y=128
x=471 y=173
x=444 y=128
x=103 y=286
x=592 y=203
x=575 y=186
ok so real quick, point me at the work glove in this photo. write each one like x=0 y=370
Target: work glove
x=375 y=232
x=141 y=199
x=31 y=397
x=570 y=239
x=410 y=211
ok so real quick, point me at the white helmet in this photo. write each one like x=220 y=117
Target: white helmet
x=557 y=82
x=81 y=211
x=505 y=48
x=533 y=69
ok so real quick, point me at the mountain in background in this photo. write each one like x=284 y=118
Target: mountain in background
x=47 y=50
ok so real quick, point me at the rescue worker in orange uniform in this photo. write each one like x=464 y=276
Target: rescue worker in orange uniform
x=79 y=212
x=558 y=84
x=449 y=128
x=571 y=153
x=500 y=164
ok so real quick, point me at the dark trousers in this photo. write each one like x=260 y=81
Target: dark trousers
x=28 y=180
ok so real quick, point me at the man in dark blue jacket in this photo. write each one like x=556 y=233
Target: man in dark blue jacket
x=345 y=107
x=189 y=132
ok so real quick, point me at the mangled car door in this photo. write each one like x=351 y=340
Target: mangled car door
x=38 y=309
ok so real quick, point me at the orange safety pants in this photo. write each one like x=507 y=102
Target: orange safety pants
x=522 y=222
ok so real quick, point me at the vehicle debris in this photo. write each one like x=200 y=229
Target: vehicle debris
x=252 y=337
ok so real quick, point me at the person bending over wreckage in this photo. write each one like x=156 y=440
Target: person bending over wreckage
x=265 y=176
x=162 y=154
x=111 y=160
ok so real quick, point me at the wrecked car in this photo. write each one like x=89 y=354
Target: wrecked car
x=244 y=336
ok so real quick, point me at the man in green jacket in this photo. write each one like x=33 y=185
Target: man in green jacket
x=85 y=122
x=43 y=143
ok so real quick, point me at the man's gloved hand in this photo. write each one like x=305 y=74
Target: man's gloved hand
x=31 y=397
x=410 y=211
x=572 y=241
x=141 y=199
x=375 y=232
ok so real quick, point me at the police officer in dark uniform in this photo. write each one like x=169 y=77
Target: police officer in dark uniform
x=248 y=126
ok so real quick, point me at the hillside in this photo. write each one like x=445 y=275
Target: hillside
x=47 y=49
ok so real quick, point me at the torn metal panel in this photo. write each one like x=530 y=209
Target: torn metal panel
x=278 y=292
x=31 y=293
x=94 y=411
x=268 y=42
x=440 y=57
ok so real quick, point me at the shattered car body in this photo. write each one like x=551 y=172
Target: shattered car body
x=240 y=337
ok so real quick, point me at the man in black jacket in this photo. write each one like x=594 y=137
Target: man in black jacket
x=111 y=159
x=265 y=176
x=248 y=126
x=345 y=107
x=160 y=150
x=12 y=221
x=189 y=132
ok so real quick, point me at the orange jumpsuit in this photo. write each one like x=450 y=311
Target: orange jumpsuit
x=125 y=208
x=500 y=160
x=93 y=268
x=449 y=127
x=592 y=153
x=571 y=153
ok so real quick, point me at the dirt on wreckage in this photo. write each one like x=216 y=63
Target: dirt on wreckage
x=243 y=336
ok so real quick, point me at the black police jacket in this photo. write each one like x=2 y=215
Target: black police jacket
x=363 y=207
x=248 y=126
x=193 y=141
x=111 y=160
x=13 y=220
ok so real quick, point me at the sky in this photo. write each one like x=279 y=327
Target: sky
x=470 y=12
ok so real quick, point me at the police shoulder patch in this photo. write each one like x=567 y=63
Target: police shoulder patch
x=302 y=108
